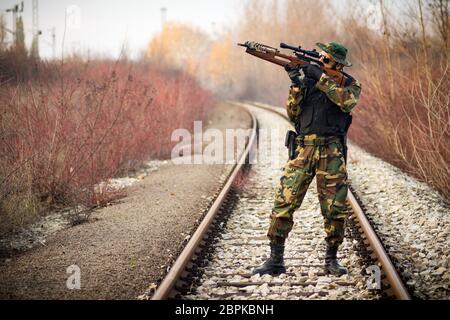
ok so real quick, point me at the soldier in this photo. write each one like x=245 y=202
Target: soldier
x=320 y=110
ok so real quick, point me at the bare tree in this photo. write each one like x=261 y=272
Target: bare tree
x=441 y=21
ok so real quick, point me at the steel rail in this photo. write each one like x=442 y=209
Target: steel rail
x=397 y=286
x=167 y=285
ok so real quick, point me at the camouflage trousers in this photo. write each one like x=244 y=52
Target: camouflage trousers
x=323 y=159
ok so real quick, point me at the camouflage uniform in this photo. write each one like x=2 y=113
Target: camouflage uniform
x=321 y=156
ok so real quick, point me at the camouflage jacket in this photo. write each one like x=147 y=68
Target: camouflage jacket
x=344 y=97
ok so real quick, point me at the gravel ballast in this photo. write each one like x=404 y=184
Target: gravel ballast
x=242 y=245
x=412 y=219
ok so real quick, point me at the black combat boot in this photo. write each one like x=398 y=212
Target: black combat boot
x=331 y=264
x=275 y=264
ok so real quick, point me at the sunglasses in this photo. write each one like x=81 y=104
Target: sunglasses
x=325 y=59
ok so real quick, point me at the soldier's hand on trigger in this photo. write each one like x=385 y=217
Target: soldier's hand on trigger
x=312 y=71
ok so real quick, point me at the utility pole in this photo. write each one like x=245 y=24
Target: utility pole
x=53 y=42
x=15 y=10
x=35 y=18
x=36 y=31
x=163 y=17
x=2 y=32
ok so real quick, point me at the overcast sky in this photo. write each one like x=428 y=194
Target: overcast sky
x=102 y=26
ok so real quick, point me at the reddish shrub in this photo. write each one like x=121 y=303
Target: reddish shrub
x=63 y=134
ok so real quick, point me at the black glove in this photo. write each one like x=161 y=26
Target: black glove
x=312 y=71
x=294 y=74
x=292 y=70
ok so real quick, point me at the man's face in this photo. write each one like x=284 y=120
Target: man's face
x=324 y=56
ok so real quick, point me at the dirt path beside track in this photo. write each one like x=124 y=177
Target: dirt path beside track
x=126 y=247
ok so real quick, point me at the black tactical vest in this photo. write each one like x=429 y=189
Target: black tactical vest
x=321 y=116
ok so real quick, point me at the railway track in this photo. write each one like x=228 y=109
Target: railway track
x=231 y=240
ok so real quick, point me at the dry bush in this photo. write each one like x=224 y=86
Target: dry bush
x=16 y=65
x=222 y=66
x=180 y=47
x=404 y=114
x=89 y=122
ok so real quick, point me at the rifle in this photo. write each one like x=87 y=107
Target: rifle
x=301 y=57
